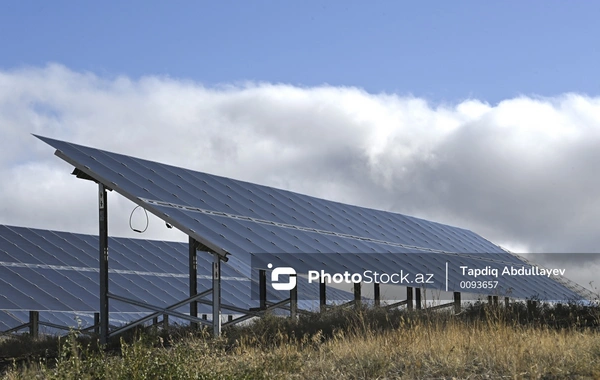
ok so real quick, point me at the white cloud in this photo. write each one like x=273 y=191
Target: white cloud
x=522 y=173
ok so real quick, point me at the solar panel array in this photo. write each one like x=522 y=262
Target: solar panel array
x=57 y=273
x=239 y=217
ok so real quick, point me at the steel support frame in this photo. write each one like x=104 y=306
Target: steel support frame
x=442 y=306
x=34 y=324
x=262 y=289
x=161 y=311
x=457 y=303
x=257 y=312
x=103 y=261
x=357 y=294
x=409 y=301
x=322 y=295
x=418 y=300
x=396 y=304
x=102 y=326
x=15 y=329
x=265 y=304
x=294 y=303
x=193 y=267
x=216 y=295
x=101 y=320
x=409 y=297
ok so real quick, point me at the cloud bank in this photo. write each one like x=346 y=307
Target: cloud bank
x=522 y=173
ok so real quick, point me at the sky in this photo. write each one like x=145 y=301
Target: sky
x=443 y=51
x=483 y=115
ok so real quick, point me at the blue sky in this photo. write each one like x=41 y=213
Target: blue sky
x=442 y=51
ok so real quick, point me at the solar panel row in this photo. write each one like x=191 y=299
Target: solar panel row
x=57 y=272
x=239 y=217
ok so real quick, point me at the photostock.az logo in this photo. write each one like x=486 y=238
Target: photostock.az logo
x=279 y=271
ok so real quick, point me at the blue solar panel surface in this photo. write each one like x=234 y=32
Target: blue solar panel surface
x=56 y=273
x=239 y=217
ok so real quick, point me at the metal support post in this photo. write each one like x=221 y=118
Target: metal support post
x=506 y=302
x=377 y=294
x=193 y=253
x=418 y=302
x=495 y=301
x=216 y=295
x=409 y=297
x=322 y=295
x=97 y=323
x=490 y=300
x=103 y=260
x=357 y=296
x=165 y=321
x=294 y=302
x=457 y=306
x=262 y=288
x=34 y=324
x=531 y=306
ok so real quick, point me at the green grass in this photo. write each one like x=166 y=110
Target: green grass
x=550 y=343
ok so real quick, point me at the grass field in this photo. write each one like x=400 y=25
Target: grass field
x=480 y=343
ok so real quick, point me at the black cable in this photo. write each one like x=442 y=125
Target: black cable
x=147 y=221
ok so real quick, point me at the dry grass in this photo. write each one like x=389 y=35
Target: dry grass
x=408 y=347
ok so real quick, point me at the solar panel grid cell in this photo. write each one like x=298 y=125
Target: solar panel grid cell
x=170 y=254
x=9 y=292
x=8 y=320
x=142 y=289
x=50 y=279
x=6 y=248
x=148 y=257
x=73 y=249
x=122 y=257
x=29 y=295
x=25 y=247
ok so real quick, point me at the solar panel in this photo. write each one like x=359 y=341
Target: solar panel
x=168 y=191
x=236 y=217
x=56 y=273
